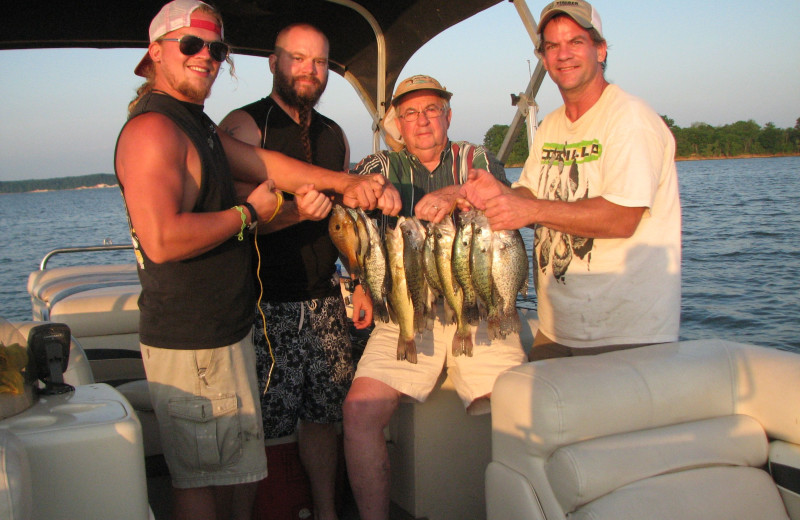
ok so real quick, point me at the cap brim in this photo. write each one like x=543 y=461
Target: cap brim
x=390 y=126
x=141 y=68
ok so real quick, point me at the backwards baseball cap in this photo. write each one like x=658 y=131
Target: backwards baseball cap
x=173 y=16
x=582 y=12
x=407 y=86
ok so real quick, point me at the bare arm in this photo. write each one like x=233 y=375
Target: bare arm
x=513 y=209
x=594 y=218
x=159 y=169
x=251 y=164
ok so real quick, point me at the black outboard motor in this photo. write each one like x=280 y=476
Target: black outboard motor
x=48 y=355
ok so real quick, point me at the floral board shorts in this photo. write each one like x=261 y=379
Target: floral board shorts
x=314 y=366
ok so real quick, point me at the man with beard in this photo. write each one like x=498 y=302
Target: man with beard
x=303 y=307
x=176 y=173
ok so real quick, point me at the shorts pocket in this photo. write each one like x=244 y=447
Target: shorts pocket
x=208 y=432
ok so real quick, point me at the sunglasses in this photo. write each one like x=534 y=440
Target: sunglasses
x=190 y=45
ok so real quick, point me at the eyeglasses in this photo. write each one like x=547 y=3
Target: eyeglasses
x=190 y=45
x=430 y=112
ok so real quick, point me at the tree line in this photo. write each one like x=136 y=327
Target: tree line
x=60 y=183
x=700 y=140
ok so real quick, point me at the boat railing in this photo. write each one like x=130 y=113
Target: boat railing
x=81 y=249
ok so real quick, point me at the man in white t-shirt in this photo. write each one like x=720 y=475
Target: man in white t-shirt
x=601 y=191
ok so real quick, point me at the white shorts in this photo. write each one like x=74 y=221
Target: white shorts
x=473 y=377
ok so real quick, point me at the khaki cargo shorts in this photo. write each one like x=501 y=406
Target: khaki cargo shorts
x=209 y=415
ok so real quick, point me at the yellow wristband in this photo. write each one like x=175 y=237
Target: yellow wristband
x=279 y=195
x=240 y=234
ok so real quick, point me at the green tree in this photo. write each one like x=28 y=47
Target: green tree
x=772 y=139
x=493 y=140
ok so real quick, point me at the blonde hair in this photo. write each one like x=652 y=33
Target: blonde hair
x=149 y=71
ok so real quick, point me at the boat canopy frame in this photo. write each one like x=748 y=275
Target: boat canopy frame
x=371 y=40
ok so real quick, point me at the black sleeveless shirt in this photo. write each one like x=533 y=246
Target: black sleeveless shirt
x=298 y=262
x=206 y=301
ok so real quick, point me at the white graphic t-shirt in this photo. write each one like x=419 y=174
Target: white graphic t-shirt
x=595 y=291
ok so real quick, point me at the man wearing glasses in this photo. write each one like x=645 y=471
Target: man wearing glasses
x=428 y=171
x=176 y=173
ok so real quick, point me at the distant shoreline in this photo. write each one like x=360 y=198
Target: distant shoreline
x=745 y=156
x=710 y=158
x=677 y=159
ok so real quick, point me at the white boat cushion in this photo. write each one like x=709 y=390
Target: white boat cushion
x=119 y=306
x=16 y=489
x=714 y=493
x=582 y=472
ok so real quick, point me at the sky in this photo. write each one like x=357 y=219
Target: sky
x=714 y=62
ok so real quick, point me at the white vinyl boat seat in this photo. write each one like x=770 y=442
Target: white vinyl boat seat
x=99 y=303
x=16 y=487
x=686 y=430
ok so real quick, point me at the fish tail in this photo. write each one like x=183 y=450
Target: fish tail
x=493 y=326
x=406 y=350
x=380 y=309
x=420 y=320
x=471 y=313
x=462 y=344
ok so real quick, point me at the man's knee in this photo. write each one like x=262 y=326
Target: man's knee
x=369 y=403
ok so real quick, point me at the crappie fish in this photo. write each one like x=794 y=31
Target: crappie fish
x=462 y=266
x=363 y=237
x=510 y=275
x=432 y=277
x=400 y=304
x=343 y=233
x=482 y=279
x=413 y=245
x=445 y=233
x=376 y=274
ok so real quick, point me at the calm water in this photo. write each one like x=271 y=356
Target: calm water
x=741 y=256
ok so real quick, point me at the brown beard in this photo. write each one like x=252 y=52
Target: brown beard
x=195 y=94
x=285 y=86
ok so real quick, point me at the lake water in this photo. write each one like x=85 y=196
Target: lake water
x=741 y=255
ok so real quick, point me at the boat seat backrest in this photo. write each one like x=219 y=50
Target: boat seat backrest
x=99 y=303
x=669 y=431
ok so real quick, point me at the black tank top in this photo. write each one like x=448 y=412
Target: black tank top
x=207 y=301
x=298 y=262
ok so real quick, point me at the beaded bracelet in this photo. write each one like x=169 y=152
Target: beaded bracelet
x=240 y=235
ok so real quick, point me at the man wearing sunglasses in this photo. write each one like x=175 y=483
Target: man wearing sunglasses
x=427 y=171
x=176 y=173
x=303 y=306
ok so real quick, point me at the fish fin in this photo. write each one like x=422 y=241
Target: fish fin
x=406 y=350
x=449 y=313
x=462 y=344
x=386 y=313
x=471 y=313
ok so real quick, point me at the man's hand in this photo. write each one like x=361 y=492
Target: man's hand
x=312 y=204
x=480 y=187
x=264 y=199
x=363 y=191
x=438 y=204
x=390 y=202
x=509 y=211
x=361 y=302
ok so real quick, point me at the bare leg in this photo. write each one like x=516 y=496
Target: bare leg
x=215 y=503
x=367 y=409
x=241 y=502
x=194 y=504
x=481 y=405
x=318 y=450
